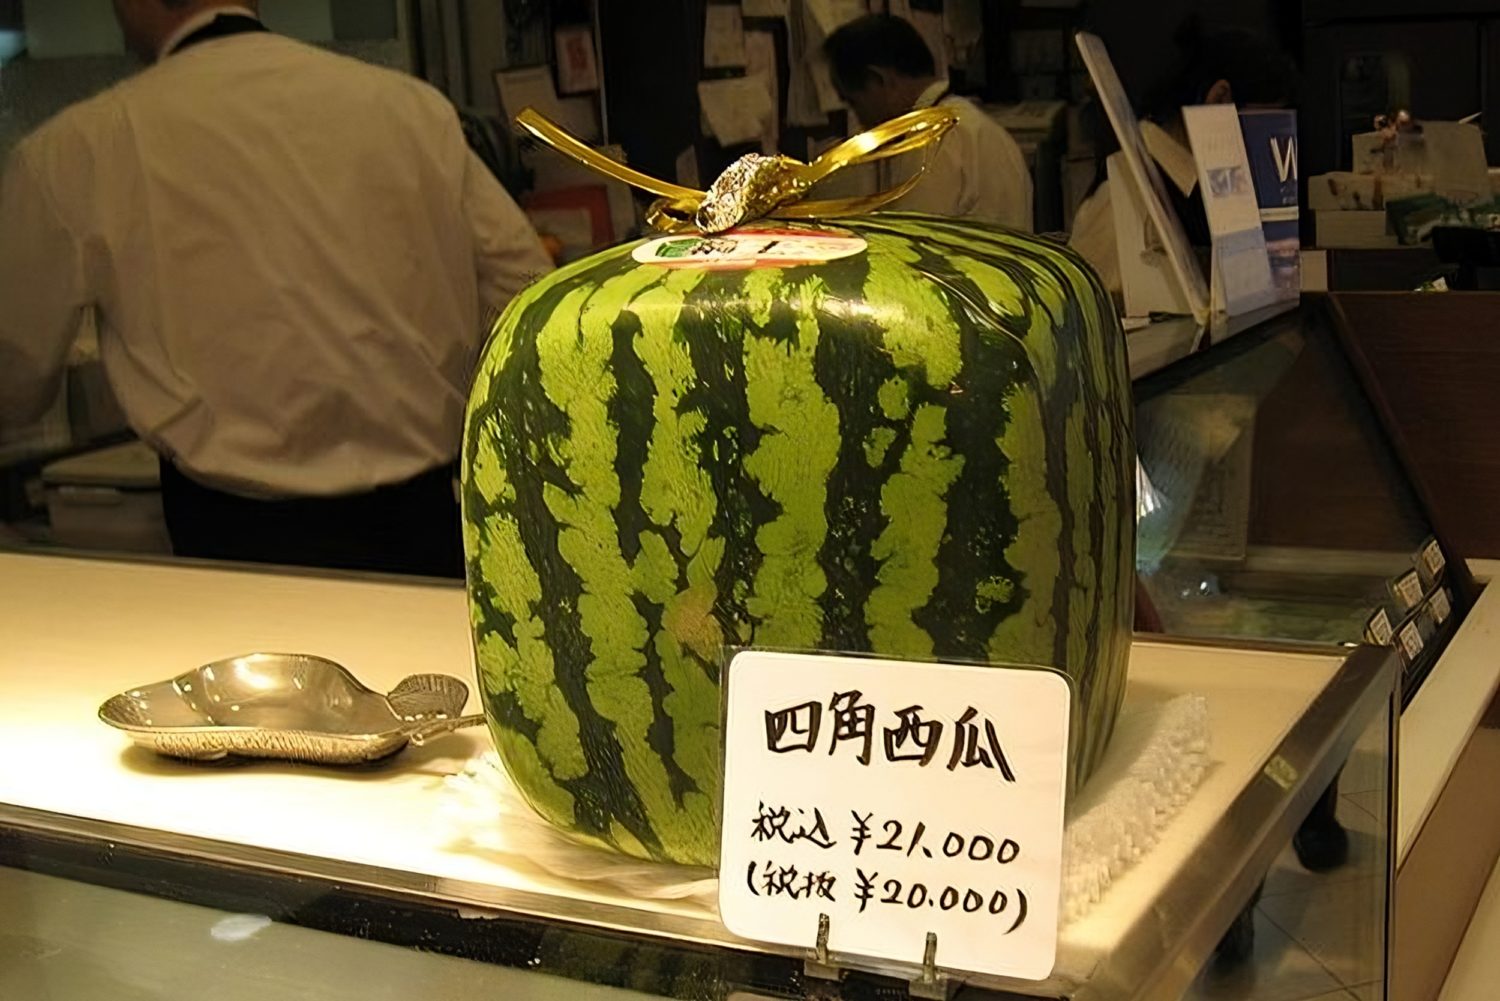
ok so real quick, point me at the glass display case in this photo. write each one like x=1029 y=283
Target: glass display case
x=130 y=875
x=1277 y=526
x=1278 y=504
x=1272 y=505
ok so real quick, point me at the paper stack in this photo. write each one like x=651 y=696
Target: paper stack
x=1403 y=186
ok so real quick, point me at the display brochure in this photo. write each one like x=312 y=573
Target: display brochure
x=1271 y=144
x=1167 y=249
x=913 y=816
x=1241 y=266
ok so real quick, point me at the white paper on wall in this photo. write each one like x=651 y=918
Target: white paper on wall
x=765 y=8
x=723 y=36
x=760 y=64
x=737 y=110
x=830 y=14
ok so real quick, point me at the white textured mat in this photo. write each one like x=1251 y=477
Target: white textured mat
x=1156 y=760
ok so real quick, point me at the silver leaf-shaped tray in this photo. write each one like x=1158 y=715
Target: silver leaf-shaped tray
x=286 y=705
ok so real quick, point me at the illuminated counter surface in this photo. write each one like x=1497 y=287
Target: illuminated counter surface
x=78 y=630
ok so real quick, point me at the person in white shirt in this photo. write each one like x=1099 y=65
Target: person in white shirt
x=290 y=255
x=882 y=68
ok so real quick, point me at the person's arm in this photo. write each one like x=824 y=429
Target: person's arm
x=507 y=252
x=42 y=293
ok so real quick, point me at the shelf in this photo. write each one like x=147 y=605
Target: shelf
x=1164 y=342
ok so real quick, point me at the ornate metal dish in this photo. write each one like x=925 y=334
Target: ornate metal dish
x=282 y=705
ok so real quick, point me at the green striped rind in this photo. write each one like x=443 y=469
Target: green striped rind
x=798 y=443
x=921 y=451
x=924 y=342
x=1079 y=395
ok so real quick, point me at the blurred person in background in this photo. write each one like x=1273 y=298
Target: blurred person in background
x=290 y=255
x=882 y=69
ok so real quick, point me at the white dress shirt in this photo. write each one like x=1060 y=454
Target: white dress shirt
x=290 y=253
x=978 y=171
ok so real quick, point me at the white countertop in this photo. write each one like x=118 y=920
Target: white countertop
x=79 y=630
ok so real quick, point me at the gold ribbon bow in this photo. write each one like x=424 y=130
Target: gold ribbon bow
x=757 y=186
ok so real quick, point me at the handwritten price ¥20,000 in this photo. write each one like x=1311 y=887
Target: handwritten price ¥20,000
x=868 y=888
x=774 y=880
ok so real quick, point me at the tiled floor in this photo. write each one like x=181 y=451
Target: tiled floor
x=1318 y=935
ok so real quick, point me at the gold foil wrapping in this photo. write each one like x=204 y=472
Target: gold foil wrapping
x=757 y=186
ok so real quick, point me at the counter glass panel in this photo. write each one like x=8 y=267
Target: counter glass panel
x=1273 y=506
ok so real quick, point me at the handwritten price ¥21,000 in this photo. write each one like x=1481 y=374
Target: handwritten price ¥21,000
x=974 y=847
x=789 y=825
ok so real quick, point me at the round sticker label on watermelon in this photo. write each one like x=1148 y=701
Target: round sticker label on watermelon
x=759 y=247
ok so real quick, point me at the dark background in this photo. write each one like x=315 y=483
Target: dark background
x=1438 y=58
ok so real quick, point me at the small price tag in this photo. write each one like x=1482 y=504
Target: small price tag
x=1408 y=589
x=1440 y=605
x=1281 y=771
x=1378 y=629
x=1411 y=640
x=898 y=799
x=1432 y=556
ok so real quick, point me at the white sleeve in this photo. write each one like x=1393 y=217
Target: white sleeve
x=507 y=252
x=1013 y=185
x=43 y=293
x=942 y=188
x=1022 y=212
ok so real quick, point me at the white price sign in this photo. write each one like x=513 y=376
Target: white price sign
x=1432 y=555
x=1441 y=606
x=1409 y=589
x=1411 y=640
x=1379 y=628
x=898 y=799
